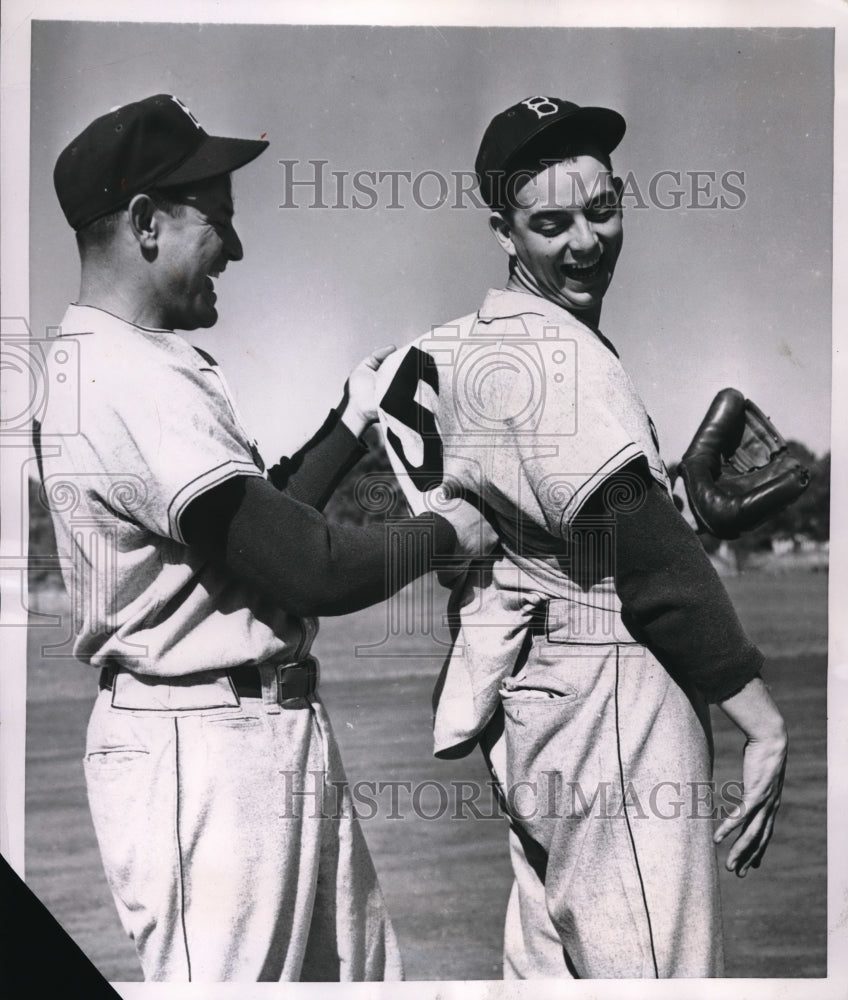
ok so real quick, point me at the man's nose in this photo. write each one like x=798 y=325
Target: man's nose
x=232 y=243
x=583 y=238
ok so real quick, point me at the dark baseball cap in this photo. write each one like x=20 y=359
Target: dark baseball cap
x=153 y=143
x=536 y=131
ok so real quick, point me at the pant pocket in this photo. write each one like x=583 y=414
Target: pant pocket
x=558 y=713
x=114 y=760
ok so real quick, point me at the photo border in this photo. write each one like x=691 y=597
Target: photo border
x=14 y=295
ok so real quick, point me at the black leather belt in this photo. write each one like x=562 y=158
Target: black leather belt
x=538 y=623
x=294 y=680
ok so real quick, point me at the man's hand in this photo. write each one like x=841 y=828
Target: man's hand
x=358 y=408
x=763 y=767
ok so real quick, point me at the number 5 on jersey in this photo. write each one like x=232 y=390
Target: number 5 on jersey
x=400 y=401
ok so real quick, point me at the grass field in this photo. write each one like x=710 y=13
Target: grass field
x=447 y=879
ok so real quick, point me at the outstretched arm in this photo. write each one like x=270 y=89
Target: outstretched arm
x=300 y=562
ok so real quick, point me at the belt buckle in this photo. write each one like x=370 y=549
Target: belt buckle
x=296 y=680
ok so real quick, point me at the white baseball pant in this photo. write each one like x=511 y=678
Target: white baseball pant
x=229 y=841
x=605 y=761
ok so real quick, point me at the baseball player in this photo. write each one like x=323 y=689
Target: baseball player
x=592 y=638
x=214 y=779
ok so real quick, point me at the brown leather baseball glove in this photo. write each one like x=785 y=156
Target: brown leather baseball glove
x=738 y=471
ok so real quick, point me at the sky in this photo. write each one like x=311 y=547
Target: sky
x=703 y=297
x=705 y=294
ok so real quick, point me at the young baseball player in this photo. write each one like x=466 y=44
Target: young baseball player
x=214 y=780
x=593 y=637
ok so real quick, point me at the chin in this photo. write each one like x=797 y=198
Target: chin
x=205 y=321
x=581 y=305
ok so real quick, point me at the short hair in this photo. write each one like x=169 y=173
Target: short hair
x=172 y=200
x=99 y=232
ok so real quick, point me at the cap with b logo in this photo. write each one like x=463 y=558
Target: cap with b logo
x=538 y=129
x=156 y=142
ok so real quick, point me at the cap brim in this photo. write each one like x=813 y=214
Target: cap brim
x=602 y=126
x=216 y=156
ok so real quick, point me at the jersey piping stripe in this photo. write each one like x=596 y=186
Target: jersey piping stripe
x=221 y=473
x=627 y=821
x=614 y=464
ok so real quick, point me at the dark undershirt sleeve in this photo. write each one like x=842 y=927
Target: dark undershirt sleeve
x=672 y=599
x=300 y=562
x=312 y=474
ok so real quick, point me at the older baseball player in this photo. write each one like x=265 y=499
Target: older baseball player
x=591 y=641
x=213 y=776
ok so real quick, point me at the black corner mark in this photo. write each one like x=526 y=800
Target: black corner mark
x=38 y=957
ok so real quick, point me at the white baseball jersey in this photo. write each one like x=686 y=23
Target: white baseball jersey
x=150 y=427
x=525 y=406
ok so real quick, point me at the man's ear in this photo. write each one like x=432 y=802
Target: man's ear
x=144 y=223
x=502 y=229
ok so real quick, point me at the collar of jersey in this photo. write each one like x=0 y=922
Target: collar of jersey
x=505 y=303
x=75 y=306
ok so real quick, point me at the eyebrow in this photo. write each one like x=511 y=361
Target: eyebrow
x=603 y=199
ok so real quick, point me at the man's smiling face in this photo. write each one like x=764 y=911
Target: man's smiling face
x=196 y=245
x=565 y=233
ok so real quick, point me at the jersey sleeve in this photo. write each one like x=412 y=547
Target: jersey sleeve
x=164 y=438
x=563 y=467
x=561 y=440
